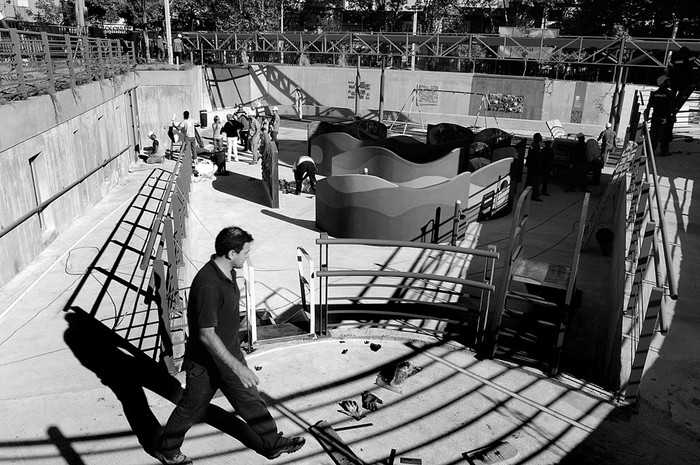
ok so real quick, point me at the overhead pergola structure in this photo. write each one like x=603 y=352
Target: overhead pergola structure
x=333 y=47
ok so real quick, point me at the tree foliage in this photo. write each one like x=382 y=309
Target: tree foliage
x=650 y=18
x=47 y=13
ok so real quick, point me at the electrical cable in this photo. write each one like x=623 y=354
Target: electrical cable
x=46 y=271
x=39 y=311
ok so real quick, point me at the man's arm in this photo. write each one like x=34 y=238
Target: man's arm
x=218 y=350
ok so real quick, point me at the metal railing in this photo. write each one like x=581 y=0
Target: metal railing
x=167 y=232
x=33 y=63
x=550 y=56
x=651 y=276
x=45 y=204
x=390 y=298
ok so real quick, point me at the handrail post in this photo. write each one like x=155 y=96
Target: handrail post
x=251 y=314
x=323 y=287
x=18 y=64
x=304 y=282
x=69 y=59
x=455 y=222
x=670 y=274
x=47 y=60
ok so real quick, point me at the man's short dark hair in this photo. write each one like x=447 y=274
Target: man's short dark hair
x=231 y=238
x=186 y=114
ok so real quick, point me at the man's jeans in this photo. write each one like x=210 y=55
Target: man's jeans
x=259 y=430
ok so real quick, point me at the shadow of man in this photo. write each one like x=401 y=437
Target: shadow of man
x=127 y=371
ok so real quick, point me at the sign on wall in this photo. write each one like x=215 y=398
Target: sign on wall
x=579 y=101
x=363 y=90
x=427 y=95
x=506 y=103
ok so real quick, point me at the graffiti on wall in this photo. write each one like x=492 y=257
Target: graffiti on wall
x=506 y=103
x=363 y=90
x=427 y=95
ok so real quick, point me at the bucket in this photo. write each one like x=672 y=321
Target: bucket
x=605 y=236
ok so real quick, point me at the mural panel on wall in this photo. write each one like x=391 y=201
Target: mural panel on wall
x=505 y=103
x=427 y=95
x=363 y=90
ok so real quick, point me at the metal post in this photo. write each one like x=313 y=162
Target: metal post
x=381 y=91
x=413 y=45
x=47 y=59
x=357 y=87
x=17 y=61
x=618 y=85
x=455 y=222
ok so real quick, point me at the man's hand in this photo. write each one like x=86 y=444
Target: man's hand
x=219 y=351
x=247 y=376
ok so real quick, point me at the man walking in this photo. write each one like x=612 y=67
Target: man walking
x=607 y=142
x=186 y=127
x=214 y=359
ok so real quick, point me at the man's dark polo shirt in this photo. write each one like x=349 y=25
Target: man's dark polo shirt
x=213 y=303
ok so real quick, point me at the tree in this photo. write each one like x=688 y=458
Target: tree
x=640 y=18
x=47 y=13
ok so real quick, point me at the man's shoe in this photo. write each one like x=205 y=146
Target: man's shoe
x=178 y=458
x=285 y=446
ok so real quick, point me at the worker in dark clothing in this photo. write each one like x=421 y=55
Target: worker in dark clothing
x=661 y=106
x=303 y=167
x=682 y=73
x=580 y=165
x=547 y=156
x=534 y=167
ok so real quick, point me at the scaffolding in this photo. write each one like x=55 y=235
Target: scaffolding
x=418 y=95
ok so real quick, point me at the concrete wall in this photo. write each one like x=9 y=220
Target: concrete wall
x=580 y=106
x=162 y=94
x=46 y=144
x=49 y=142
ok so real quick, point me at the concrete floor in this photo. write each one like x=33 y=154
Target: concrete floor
x=73 y=393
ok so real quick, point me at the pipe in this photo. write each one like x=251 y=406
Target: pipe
x=671 y=277
x=50 y=200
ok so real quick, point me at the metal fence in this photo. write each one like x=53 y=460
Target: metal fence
x=564 y=57
x=34 y=63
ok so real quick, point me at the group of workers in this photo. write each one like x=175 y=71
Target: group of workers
x=588 y=156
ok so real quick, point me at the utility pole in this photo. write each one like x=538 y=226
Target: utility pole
x=168 y=33
x=413 y=45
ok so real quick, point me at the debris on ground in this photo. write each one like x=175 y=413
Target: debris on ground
x=375 y=347
x=351 y=409
x=496 y=452
x=370 y=401
x=392 y=376
x=333 y=445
